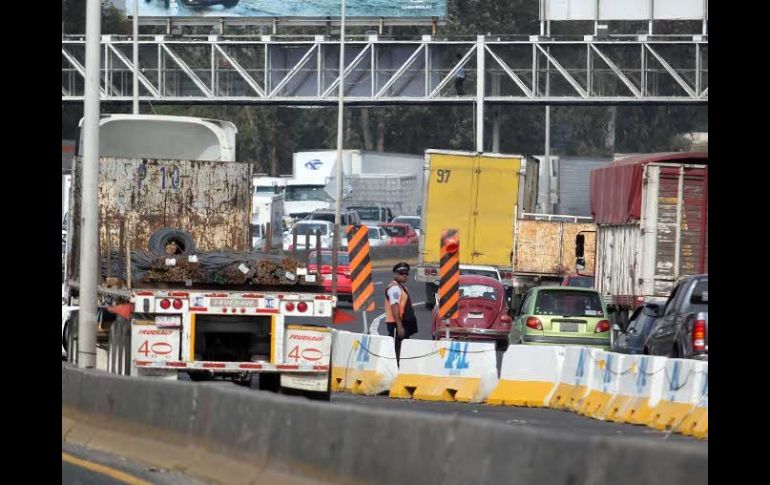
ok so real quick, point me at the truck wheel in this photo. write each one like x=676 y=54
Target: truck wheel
x=126 y=352
x=269 y=382
x=72 y=339
x=201 y=376
x=229 y=3
x=65 y=339
x=430 y=296
x=112 y=351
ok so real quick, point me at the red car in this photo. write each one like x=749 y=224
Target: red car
x=483 y=312
x=578 y=280
x=400 y=234
x=344 y=288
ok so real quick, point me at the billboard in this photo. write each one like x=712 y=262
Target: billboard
x=288 y=8
x=625 y=9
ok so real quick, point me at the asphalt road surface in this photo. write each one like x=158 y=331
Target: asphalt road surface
x=86 y=466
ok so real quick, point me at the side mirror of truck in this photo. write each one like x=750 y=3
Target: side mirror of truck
x=580 y=261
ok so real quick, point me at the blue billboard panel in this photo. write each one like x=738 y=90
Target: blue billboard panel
x=288 y=8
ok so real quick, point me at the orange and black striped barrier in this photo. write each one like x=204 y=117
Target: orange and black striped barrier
x=449 y=275
x=360 y=268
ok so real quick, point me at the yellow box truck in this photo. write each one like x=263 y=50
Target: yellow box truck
x=481 y=195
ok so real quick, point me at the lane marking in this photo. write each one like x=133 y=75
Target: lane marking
x=103 y=470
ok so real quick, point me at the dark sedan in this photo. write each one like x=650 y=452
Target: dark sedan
x=682 y=329
x=632 y=339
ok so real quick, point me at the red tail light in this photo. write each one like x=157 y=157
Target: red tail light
x=431 y=272
x=165 y=303
x=699 y=336
x=178 y=303
x=505 y=319
x=290 y=306
x=506 y=275
x=534 y=322
x=302 y=307
x=602 y=326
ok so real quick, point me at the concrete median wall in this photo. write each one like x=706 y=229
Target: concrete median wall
x=352 y=444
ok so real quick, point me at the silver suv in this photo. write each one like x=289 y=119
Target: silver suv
x=347 y=216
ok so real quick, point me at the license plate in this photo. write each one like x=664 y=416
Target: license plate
x=475 y=315
x=235 y=302
x=310 y=278
x=168 y=321
x=568 y=327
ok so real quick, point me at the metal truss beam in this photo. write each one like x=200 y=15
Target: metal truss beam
x=662 y=74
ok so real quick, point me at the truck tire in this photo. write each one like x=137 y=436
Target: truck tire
x=126 y=355
x=119 y=355
x=112 y=354
x=430 y=295
x=269 y=382
x=72 y=338
x=229 y=3
x=201 y=376
x=65 y=339
x=163 y=236
x=114 y=347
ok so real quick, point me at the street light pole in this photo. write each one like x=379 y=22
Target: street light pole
x=338 y=202
x=89 y=257
x=136 y=57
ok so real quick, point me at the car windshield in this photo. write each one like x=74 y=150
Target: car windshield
x=368 y=213
x=326 y=258
x=478 y=291
x=374 y=233
x=395 y=231
x=569 y=303
x=305 y=229
x=412 y=221
x=306 y=192
x=479 y=272
x=581 y=281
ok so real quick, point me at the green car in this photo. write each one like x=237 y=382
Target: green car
x=562 y=315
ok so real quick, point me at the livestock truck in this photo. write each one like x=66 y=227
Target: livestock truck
x=651 y=213
x=173 y=238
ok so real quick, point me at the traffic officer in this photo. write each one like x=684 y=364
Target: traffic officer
x=399 y=314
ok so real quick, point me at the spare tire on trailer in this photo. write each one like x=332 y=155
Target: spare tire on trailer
x=164 y=236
